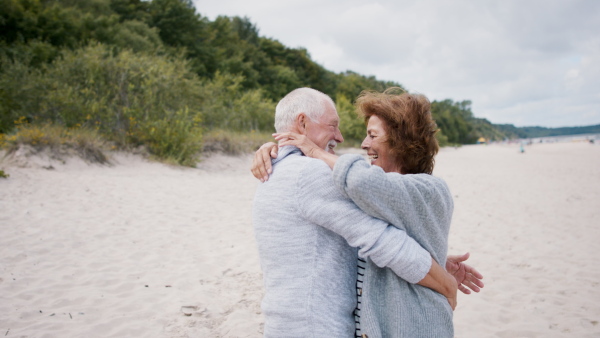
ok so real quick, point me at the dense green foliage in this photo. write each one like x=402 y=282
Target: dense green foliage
x=458 y=125
x=159 y=75
x=152 y=73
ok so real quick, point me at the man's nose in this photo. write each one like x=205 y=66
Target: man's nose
x=338 y=137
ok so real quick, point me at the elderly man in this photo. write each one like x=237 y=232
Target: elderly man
x=307 y=233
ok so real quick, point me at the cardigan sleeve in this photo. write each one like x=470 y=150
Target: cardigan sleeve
x=395 y=198
x=387 y=246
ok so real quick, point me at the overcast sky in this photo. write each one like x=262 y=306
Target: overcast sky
x=525 y=62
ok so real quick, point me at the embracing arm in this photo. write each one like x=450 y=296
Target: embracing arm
x=384 y=244
x=261 y=163
x=372 y=190
x=366 y=186
x=308 y=147
x=441 y=281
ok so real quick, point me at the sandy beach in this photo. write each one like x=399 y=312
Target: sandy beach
x=144 y=249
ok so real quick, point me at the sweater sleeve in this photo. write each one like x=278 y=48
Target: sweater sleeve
x=387 y=246
x=392 y=197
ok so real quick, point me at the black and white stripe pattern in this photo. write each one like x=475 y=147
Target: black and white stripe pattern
x=359 y=282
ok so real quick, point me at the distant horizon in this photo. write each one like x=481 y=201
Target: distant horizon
x=578 y=126
x=586 y=136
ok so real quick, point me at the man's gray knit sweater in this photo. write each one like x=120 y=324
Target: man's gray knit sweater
x=303 y=226
x=422 y=205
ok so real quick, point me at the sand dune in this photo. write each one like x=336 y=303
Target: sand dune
x=117 y=251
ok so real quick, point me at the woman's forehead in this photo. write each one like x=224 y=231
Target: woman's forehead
x=375 y=123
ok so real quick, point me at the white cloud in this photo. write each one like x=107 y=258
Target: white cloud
x=531 y=62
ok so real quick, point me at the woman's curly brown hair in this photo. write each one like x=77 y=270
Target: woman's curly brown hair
x=409 y=126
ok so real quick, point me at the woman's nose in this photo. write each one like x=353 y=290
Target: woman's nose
x=366 y=144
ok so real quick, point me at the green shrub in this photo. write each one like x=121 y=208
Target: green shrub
x=3 y=174
x=352 y=126
x=226 y=106
x=94 y=88
x=441 y=138
x=131 y=99
x=175 y=138
x=17 y=98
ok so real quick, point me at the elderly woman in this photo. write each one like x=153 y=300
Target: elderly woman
x=399 y=189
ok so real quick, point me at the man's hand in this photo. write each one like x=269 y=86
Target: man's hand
x=261 y=164
x=466 y=276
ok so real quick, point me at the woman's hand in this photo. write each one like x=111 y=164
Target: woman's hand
x=440 y=280
x=466 y=276
x=308 y=147
x=452 y=296
x=261 y=164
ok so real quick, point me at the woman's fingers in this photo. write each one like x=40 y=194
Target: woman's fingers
x=472 y=282
x=475 y=284
x=473 y=271
x=464 y=290
x=287 y=135
x=288 y=138
x=459 y=258
x=279 y=136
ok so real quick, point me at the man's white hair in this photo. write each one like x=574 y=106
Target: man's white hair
x=309 y=101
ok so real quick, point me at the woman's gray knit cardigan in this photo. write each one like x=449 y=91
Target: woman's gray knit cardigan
x=421 y=205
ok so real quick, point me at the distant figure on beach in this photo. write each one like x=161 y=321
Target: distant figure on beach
x=304 y=223
x=521 y=148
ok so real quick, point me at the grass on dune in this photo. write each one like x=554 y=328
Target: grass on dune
x=234 y=143
x=93 y=147
x=59 y=141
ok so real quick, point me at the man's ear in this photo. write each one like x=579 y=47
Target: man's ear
x=301 y=123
